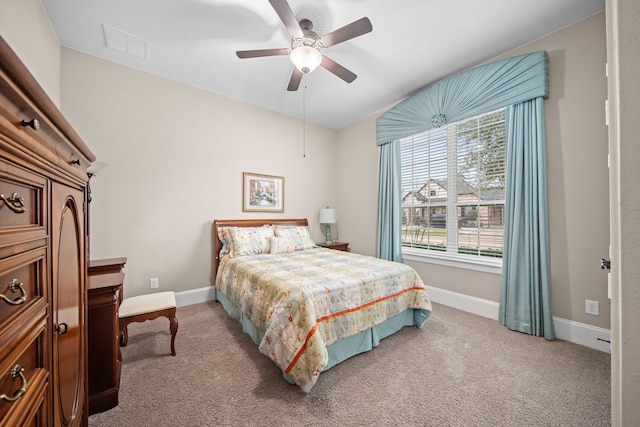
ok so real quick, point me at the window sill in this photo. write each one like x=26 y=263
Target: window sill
x=493 y=266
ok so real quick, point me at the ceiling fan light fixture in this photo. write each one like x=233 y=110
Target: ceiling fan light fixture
x=306 y=45
x=305 y=58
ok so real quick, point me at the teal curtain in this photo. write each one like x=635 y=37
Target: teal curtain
x=389 y=245
x=519 y=83
x=525 y=301
x=467 y=94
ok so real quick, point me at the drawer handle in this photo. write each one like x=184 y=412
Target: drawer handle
x=33 y=124
x=61 y=329
x=17 y=371
x=14 y=286
x=15 y=202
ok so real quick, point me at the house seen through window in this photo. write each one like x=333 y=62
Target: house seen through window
x=453 y=187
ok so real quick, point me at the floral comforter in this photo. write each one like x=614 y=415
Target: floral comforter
x=306 y=300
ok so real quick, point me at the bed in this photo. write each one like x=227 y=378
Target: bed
x=306 y=307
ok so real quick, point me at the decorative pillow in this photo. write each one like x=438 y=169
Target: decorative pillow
x=298 y=234
x=281 y=245
x=225 y=238
x=250 y=240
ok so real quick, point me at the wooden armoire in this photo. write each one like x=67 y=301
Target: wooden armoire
x=43 y=256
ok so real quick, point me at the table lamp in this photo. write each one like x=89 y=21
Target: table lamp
x=327 y=217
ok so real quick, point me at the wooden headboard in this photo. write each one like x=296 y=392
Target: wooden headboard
x=217 y=223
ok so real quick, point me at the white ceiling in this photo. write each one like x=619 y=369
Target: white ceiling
x=413 y=43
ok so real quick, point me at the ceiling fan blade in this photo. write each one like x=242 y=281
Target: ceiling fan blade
x=349 y=31
x=287 y=17
x=294 y=83
x=262 y=52
x=337 y=69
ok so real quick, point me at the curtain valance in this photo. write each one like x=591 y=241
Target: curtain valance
x=466 y=94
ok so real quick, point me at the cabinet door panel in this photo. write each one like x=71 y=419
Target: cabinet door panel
x=68 y=249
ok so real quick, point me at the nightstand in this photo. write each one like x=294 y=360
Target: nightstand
x=339 y=246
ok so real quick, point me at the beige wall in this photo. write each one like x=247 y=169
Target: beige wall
x=577 y=148
x=578 y=180
x=623 y=34
x=25 y=26
x=155 y=200
x=175 y=156
x=629 y=210
x=357 y=168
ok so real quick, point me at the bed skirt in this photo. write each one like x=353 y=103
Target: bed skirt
x=345 y=348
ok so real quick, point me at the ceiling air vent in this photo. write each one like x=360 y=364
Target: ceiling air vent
x=125 y=43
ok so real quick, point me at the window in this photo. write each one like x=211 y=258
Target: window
x=453 y=186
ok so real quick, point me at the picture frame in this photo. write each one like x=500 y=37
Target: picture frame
x=262 y=193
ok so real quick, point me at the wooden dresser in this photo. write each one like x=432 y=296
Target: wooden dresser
x=43 y=256
x=105 y=295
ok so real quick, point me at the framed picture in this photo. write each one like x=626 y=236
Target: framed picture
x=262 y=193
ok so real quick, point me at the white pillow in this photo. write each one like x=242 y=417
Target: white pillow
x=281 y=245
x=225 y=237
x=299 y=234
x=250 y=240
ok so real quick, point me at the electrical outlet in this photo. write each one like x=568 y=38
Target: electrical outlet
x=592 y=307
x=153 y=283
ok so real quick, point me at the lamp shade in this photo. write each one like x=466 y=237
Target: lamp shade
x=305 y=58
x=327 y=216
x=95 y=167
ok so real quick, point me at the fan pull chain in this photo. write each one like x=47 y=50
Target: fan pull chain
x=304 y=122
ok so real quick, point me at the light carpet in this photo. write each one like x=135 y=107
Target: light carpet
x=459 y=370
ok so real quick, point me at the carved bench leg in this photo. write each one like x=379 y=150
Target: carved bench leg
x=173 y=326
x=124 y=336
x=169 y=313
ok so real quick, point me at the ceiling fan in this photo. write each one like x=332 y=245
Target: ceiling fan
x=306 y=45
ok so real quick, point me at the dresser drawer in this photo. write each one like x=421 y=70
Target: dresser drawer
x=35 y=412
x=30 y=133
x=23 y=207
x=23 y=286
x=24 y=369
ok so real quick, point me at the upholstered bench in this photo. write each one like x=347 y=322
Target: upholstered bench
x=148 y=307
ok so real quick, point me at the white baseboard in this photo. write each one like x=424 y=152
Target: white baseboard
x=567 y=330
x=583 y=334
x=194 y=296
x=479 y=306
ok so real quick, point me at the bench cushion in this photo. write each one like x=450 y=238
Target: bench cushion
x=147 y=304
